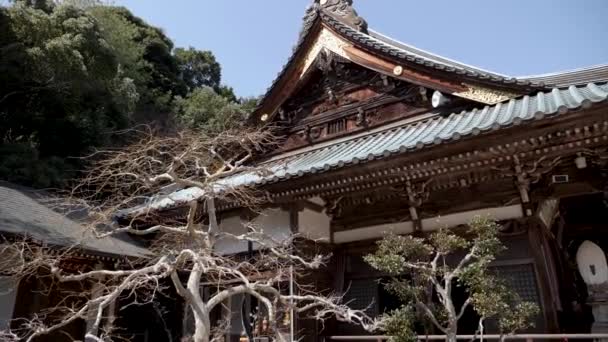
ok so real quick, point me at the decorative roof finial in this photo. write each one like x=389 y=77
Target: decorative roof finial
x=343 y=10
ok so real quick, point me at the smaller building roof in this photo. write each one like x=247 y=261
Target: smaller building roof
x=580 y=76
x=400 y=137
x=23 y=212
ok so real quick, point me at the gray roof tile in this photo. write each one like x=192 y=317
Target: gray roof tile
x=23 y=212
x=402 y=137
x=393 y=49
x=387 y=46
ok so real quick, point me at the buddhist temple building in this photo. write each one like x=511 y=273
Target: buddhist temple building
x=380 y=136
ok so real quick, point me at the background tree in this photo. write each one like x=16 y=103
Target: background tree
x=60 y=92
x=74 y=72
x=198 y=68
x=418 y=265
x=183 y=251
x=144 y=54
x=206 y=110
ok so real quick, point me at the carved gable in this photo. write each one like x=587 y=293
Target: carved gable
x=340 y=97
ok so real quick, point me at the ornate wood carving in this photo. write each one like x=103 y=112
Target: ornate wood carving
x=526 y=174
x=342 y=98
x=400 y=72
x=416 y=195
x=369 y=208
x=325 y=42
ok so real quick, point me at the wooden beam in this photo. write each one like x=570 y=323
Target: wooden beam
x=306 y=204
x=400 y=72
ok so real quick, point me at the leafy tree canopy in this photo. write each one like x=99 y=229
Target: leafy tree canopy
x=205 y=109
x=73 y=73
x=441 y=262
x=198 y=68
x=60 y=92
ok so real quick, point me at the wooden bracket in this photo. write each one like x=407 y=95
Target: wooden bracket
x=416 y=195
x=526 y=174
x=332 y=207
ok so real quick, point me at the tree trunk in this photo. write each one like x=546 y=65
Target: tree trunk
x=451 y=332
x=202 y=329
x=202 y=323
x=451 y=336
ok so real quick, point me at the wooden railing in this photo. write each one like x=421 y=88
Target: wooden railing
x=521 y=337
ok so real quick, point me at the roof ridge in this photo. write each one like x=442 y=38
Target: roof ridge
x=561 y=72
x=373 y=33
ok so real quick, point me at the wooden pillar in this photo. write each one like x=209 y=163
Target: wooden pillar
x=96 y=291
x=542 y=260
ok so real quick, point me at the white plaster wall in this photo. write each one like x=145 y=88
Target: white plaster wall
x=452 y=220
x=431 y=224
x=275 y=223
x=314 y=225
x=232 y=225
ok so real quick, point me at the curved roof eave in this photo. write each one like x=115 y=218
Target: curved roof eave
x=579 y=76
x=398 y=138
x=395 y=50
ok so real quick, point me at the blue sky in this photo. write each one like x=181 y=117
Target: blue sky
x=253 y=38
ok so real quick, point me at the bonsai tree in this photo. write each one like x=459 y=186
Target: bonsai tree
x=419 y=267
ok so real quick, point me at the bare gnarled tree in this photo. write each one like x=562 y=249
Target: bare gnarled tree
x=183 y=251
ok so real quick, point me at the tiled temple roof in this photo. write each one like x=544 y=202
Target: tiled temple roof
x=24 y=212
x=383 y=45
x=410 y=55
x=403 y=137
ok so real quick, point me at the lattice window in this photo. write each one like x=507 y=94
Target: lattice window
x=522 y=279
x=336 y=126
x=362 y=294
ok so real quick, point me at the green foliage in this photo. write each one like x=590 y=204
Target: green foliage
x=60 y=91
x=399 y=324
x=397 y=254
x=249 y=104
x=517 y=317
x=418 y=264
x=198 y=68
x=492 y=298
x=204 y=109
x=74 y=72
x=227 y=93
x=43 y=5
x=144 y=54
x=21 y=163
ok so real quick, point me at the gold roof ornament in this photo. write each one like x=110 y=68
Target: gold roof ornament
x=485 y=95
